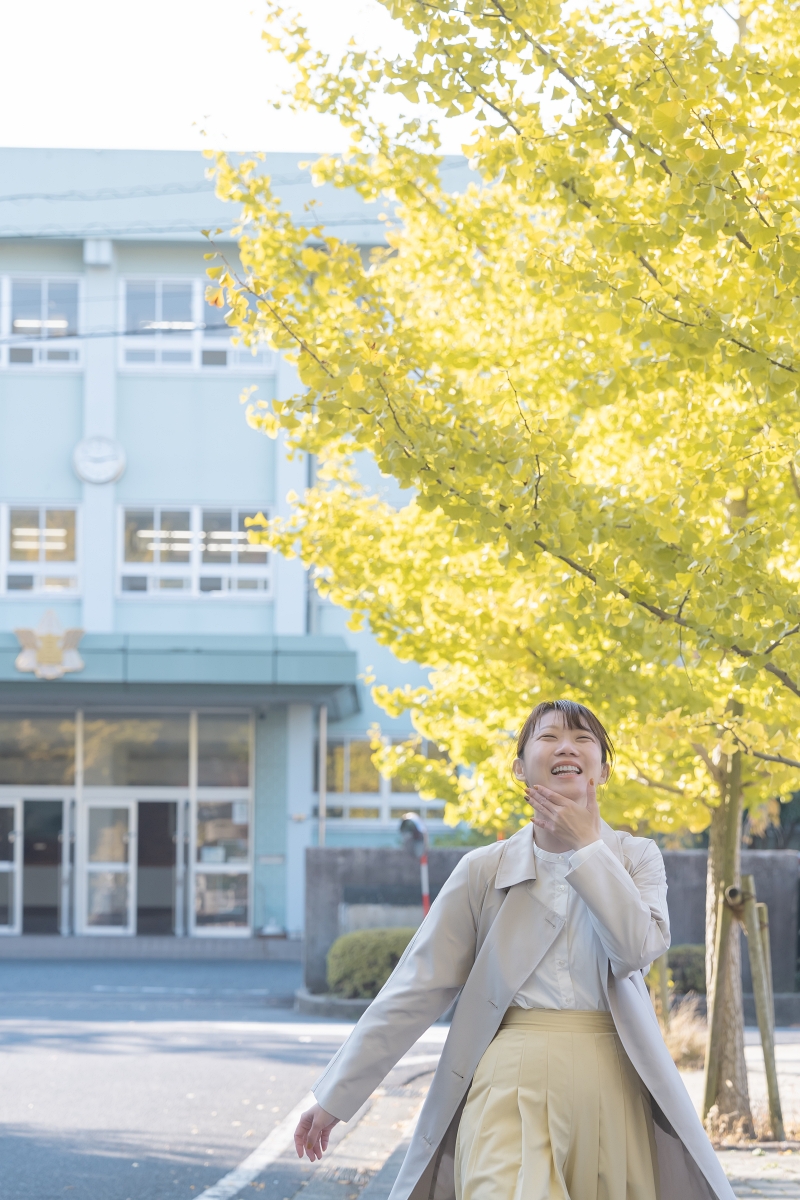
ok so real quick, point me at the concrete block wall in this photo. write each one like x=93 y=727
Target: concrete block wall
x=338 y=878
x=776 y=873
x=376 y=875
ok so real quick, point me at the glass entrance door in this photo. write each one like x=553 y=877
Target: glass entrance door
x=43 y=822
x=156 y=859
x=10 y=863
x=108 y=877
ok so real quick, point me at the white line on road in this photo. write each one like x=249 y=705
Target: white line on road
x=279 y=1140
x=271 y=1148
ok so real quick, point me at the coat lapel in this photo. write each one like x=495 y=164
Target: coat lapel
x=518 y=863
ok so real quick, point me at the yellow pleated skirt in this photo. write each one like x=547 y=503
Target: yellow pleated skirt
x=556 y=1112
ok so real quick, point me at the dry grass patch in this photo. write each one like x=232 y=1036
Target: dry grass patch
x=687 y=1034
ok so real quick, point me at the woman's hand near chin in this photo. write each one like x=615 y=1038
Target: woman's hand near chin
x=574 y=823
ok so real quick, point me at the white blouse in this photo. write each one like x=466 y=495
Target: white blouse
x=570 y=974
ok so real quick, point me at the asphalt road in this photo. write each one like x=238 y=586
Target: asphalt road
x=140 y=1081
x=156 y=1080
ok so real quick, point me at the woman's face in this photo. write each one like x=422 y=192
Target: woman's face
x=561 y=759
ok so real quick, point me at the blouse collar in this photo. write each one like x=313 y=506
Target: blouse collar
x=549 y=856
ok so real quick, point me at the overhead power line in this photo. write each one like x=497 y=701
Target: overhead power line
x=140 y=230
x=143 y=191
x=21 y=340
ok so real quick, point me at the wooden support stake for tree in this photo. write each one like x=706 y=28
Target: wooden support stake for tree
x=724 y=918
x=763 y=921
x=758 y=971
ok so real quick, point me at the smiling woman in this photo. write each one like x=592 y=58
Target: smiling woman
x=563 y=740
x=561 y=1086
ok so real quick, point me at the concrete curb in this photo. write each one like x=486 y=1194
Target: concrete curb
x=327 y=1005
x=198 y=949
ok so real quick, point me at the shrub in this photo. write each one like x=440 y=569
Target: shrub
x=687 y=965
x=360 y=963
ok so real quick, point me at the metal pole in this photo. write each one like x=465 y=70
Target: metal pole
x=758 y=972
x=322 y=809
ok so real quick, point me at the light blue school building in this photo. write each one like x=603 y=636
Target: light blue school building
x=161 y=680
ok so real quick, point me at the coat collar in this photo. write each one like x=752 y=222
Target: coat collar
x=518 y=862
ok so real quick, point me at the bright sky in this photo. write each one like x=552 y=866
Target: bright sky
x=153 y=73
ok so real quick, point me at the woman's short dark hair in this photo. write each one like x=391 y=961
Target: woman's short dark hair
x=575 y=716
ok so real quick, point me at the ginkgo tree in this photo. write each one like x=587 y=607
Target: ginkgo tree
x=585 y=367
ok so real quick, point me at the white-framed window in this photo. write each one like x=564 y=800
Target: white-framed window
x=39 y=321
x=221 y=865
x=39 y=549
x=194 y=550
x=168 y=324
x=356 y=791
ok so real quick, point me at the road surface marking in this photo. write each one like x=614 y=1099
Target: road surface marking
x=272 y=1147
x=275 y=1143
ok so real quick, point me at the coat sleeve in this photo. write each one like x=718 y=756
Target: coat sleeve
x=628 y=908
x=421 y=988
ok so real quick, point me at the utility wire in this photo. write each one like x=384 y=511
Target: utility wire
x=20 y=339
x=136 y=232
x=141 y=191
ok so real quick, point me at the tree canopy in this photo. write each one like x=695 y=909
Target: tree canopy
x=585 y=366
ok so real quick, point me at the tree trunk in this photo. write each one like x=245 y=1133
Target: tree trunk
x=730 y=1115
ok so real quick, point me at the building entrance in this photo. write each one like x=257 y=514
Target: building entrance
x=117 y=824
x=43 y=827
x=156 y=867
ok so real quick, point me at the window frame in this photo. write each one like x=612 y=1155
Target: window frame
x=339 y=805
x=196 y=342
x=40 y=345
x=194 y=570
x=39 y=569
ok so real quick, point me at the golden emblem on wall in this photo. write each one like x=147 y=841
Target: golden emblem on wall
x=49 y=651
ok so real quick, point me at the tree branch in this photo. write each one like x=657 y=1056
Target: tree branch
x=795 y=480
x=646 y=781
x=716 y=773
x=674 y=619
x=776 y=758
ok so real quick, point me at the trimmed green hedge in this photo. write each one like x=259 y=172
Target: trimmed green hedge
x=360 y=963
x=687 y=965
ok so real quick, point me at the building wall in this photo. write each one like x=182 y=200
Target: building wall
x=186 y=443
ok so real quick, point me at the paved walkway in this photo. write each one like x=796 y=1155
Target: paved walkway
x=366 y=1156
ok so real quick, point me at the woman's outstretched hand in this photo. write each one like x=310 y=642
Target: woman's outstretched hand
x=575 y=824
x=313 y=1131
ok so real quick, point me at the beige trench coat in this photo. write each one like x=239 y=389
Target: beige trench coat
x=485 y=935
